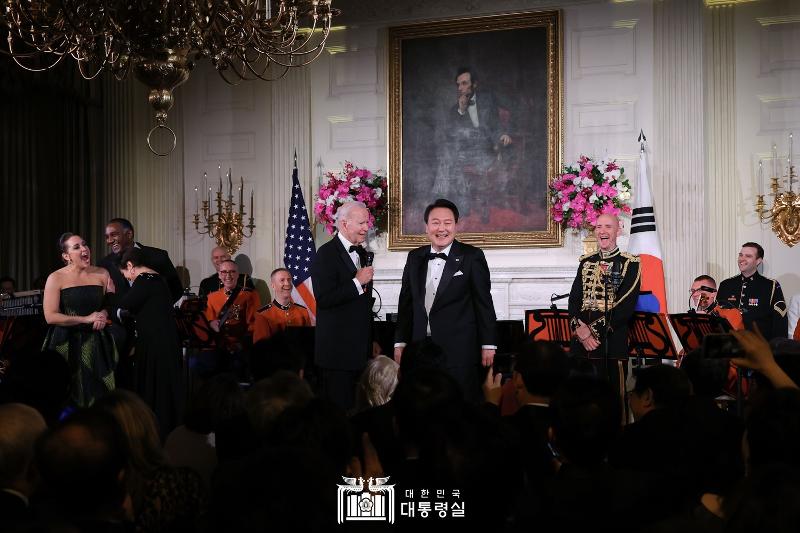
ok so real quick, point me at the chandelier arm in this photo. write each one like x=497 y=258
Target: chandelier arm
x=50 y=46
x=124 y=69
x=267 y=66
x=71 y=16
x=249 y=67
x=305 y=61
x=92 y=76
x=297 y=51
x=212 y=17
x=59 y=57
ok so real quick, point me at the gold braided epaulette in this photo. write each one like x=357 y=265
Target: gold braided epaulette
x=630 y=257
x=586 y=256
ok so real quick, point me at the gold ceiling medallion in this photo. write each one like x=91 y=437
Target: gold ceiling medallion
x=785 y=210
x=159 y=41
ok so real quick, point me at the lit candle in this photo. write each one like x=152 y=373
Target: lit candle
x=241 y=194
x=196 y=202
x=774 y=160
x=760 y=177
x=789 y=171
x=251 y=206
x=230 y=185
x=219 y=167
x=209 y=198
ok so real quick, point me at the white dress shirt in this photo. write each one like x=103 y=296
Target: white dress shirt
x=435 y=270
x=794 y=313
x=354 y=256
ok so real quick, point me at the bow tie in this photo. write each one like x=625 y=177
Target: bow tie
x=440 y=255
x=357 y=249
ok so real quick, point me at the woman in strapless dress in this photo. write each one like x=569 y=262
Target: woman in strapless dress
x=73 y=308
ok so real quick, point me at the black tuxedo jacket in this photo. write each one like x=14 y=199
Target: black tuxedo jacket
x=462 y=315
x=155 y=258
x=344 y=317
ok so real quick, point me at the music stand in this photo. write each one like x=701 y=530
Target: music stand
x=693 y=327
x=194 y=329
x=649 y=337
x=549 y=325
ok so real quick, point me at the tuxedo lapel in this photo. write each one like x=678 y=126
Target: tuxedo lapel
x=345 y=256
x=452 y=266
x=422 y=273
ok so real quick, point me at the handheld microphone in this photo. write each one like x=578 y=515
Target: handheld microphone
x=369 y=259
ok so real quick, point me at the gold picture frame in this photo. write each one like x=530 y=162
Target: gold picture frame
x=501 y=188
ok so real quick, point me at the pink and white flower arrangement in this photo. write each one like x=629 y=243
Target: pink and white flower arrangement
x=352 y=183
x=587 y=189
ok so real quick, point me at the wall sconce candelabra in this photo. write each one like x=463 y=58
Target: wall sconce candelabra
x=225 y=224
x=785 y=210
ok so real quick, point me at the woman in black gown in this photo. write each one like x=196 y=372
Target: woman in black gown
x=158 y=376
x=73 y=308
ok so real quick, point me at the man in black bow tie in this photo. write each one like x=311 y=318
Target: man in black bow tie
x=446 y=296
x=341 y=276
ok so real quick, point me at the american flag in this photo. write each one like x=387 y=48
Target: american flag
x=299 y=250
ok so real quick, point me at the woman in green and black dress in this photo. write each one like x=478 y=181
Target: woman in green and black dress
x=73 y=308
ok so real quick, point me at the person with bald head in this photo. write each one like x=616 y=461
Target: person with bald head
x=213 y=283
x=592 y=292
x=341 y=274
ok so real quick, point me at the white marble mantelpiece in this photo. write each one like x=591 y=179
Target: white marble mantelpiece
x=514 y=289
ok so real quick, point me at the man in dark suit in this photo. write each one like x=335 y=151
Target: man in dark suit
x=213 y=283
x=341 y=275
x=445 y=295
x=119 y=237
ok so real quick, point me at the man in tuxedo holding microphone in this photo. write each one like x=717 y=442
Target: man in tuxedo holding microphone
x=341 y=275
x=607 y=285
x=445 y=295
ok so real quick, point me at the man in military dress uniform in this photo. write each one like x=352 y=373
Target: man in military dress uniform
x=233 y=320
x=591 y=293
x=282 y=312
x=760 y=299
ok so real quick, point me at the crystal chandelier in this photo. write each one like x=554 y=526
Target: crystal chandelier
x=225 y=223
x=161 y=39
x=785 y=210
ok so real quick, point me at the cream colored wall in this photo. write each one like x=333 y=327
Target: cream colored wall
x=712 y=87
x=767 y=45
